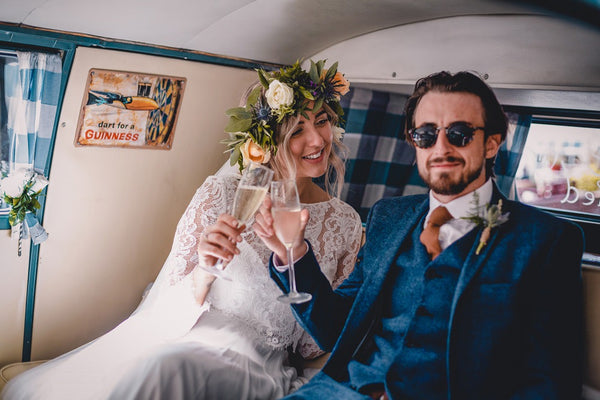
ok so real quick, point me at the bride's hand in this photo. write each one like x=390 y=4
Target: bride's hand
x=219 y=241
x=263 y=226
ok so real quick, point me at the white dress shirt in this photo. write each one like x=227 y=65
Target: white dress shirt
x=458 y=208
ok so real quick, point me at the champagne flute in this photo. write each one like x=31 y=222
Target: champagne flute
x=249 y=195
x=286 y=209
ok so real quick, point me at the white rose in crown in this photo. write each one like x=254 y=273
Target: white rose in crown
x=279 y=95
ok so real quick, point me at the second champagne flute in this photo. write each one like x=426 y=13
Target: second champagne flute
x=249 y=195
x=286 y=222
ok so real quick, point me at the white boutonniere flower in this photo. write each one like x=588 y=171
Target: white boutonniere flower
x=488 y=217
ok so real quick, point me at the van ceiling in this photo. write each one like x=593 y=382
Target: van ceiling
x=376 y=41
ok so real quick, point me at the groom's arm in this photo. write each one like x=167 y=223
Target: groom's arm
x=554 y=358
x=325 y=314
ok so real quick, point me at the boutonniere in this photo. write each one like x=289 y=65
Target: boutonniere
x=488 y=217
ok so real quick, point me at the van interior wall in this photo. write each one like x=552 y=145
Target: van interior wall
x=13 y=288
x=507 y=50
x=111 y=212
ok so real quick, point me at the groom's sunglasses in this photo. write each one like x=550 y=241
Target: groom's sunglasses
x=459 y=134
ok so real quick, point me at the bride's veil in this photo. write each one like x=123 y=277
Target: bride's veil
x=157 y=289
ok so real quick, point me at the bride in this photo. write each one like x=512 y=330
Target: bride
x=197 y=337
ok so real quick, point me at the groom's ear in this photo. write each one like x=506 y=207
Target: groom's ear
x=492 y=145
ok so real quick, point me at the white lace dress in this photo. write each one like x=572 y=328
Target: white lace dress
x=233 y=347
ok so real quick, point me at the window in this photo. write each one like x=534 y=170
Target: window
x=30 y=83
x=559 y=171
x=8 y=61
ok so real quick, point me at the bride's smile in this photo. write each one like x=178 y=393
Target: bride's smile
x=310 y=144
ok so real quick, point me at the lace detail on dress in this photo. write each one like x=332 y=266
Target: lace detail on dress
x=334 y=231
x=209 y=201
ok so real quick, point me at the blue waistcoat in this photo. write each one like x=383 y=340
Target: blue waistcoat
x=413 y=326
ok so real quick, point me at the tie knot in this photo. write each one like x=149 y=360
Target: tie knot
x=439 y=216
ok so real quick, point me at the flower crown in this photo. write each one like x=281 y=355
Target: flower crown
x=287 y=93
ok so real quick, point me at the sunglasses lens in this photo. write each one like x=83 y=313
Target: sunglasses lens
x=424 y=137
x=460 y=135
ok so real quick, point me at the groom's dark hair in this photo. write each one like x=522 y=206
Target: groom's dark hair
x=462 y=82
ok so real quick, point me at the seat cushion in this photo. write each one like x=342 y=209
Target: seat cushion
x=11 y=370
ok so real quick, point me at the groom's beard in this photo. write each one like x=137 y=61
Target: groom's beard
x=447 y=183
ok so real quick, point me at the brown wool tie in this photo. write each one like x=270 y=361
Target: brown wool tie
x=429 y=236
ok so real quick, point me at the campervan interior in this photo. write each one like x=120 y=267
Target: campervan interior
x=110 y=208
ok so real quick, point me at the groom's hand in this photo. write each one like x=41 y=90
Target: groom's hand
x=263 y=226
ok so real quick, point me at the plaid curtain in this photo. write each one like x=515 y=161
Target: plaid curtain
x=509 y=155
x=380 y=163
x=32 y=88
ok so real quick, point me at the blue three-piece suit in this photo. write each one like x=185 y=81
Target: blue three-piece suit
x=502 y=324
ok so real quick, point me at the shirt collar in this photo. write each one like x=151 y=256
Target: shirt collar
x=463 y=206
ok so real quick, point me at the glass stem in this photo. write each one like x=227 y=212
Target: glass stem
x=291 y=273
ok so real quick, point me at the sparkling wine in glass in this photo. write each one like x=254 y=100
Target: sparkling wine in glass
x=285 y=209
x=249 y=195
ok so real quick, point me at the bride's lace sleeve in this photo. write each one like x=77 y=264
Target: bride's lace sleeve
x=348 y=259
x=350 y=227
x=209 y=201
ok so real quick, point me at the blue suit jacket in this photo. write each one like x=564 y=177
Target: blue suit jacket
x=515 y=329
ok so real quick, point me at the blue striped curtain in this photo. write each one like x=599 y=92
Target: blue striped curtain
x=32 y=88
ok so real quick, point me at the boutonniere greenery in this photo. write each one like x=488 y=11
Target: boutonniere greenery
x=488 y=217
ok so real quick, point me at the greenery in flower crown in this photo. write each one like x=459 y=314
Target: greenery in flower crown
x=287 y=93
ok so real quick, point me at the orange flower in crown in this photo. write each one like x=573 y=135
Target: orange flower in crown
x=282 y=94
x=340 y=84
x=251 y=152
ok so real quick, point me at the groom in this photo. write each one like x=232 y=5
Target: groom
x=489 y=310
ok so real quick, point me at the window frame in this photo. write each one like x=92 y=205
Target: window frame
x=67 y=53
x=5 y=52
x=589 y=224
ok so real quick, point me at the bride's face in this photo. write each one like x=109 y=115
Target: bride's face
x=310 y=144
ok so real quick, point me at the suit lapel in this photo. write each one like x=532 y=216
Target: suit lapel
x=473 y=262
x=386 y=237
x=386 y=243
